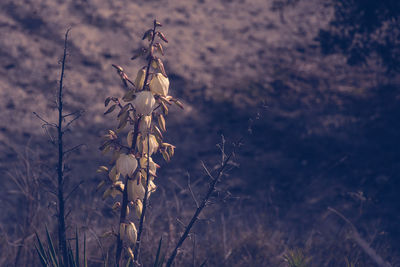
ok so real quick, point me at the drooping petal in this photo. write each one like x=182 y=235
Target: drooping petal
x=126 y=164
x=159 y=84
x=144 y=102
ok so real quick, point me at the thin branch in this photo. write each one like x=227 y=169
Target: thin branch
x=199 y=209
x=78 y=115
x=72 y=113
x=191 y=191
x=361 y=242
x=73 y=190
x=60 y=172
x=73 y=148
x=45 y=122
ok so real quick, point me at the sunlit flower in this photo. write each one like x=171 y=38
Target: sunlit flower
x=126 y=164
x=144 y=102
x=159 y=84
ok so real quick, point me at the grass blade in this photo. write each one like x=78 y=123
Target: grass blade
x=84 y=250
x=128 y=263
x=76 y=248
x=41 y=257
x=204 y=263
x=41 y=252
x=157 y=262
x=52 y=252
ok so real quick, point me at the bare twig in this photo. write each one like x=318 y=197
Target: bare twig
x=203 y=203
x=60 y=167
x=191 y=191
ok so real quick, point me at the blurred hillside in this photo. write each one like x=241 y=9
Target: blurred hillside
x=319 y=111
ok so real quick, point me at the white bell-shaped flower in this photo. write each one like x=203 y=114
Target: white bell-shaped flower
x=135 y=190
x=126 y=164
x=159 y=84
x=144 y=102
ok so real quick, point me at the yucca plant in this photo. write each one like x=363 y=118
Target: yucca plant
x=49 y=256
x=142 y=111
x=296 y=258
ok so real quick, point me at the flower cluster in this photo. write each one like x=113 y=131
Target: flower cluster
x=142 y=111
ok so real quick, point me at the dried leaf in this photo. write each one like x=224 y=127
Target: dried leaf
x=146 y=34
x=107 y=101
x=157 y=132
x=129 y=96
x=160 y=66
x=165 y=155
x=102 y=169
x=111 y=109
x=162 y=36
x=123 y=110
x=129 y=138
x=161 y=122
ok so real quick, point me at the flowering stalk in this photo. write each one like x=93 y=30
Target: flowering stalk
x=134 y=171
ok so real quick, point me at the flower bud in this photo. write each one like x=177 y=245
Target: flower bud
x=139 y=81
x=126 y=164
x=144 y=124
x=144 y=103
x=131 y=232
x=114 y=174
x=138 y=208
x=159 y=84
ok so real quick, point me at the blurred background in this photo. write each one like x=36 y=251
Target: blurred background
x=312 y=87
